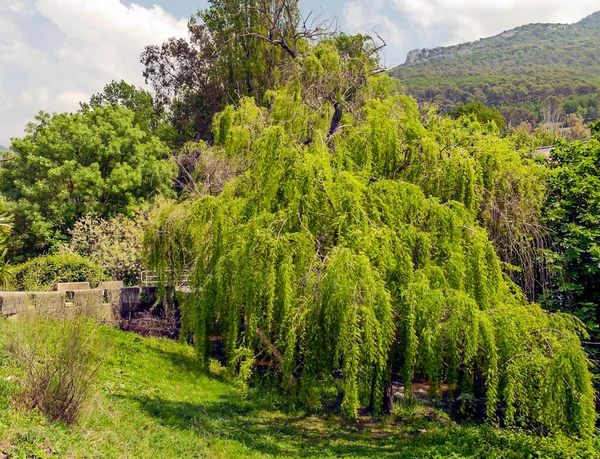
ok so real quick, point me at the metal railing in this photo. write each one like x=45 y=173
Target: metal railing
x=151 y=278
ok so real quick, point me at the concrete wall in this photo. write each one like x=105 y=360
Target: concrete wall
x=13 y=303
x=112 y=285
x=48 y=303
x=71 y=286
x=108 y=303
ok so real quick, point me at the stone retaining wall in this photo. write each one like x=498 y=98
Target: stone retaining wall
x=48 y=303
x=12 y=303
x=111 y=301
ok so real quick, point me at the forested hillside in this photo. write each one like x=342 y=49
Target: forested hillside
x=348 y=255
x=517 y=70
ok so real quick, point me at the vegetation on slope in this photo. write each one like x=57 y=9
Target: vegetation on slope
x=521 y=67
x=152 y=400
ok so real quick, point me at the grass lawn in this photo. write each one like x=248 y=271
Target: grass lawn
x=152 y=401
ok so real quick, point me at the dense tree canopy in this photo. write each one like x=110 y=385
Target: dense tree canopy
x=97 y=161
x=363 y=253
x=121 y=93
x=572 y=212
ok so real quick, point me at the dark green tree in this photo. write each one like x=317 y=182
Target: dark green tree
x=98 y=161
x=148 y=115
x=572 y=212
x=481 y=112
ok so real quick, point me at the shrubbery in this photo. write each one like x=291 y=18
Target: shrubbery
x=58 y=363
x=43 y=272
x=114 y=244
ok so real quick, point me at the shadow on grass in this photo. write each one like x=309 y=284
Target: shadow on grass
x=188 y=364
x=274 y=433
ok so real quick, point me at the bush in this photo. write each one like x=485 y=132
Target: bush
x=58 y=364
x=482 y=113
x=43 y=272
x=114 y=244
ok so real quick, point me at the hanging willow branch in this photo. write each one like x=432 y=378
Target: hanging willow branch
x=305 y=259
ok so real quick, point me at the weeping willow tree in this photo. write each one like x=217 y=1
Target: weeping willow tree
x=360 y=252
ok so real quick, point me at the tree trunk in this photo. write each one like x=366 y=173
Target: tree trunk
x=388 y=398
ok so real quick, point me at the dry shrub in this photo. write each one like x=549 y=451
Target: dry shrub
x=59 y=361
x=149 y=325
x=204 y=171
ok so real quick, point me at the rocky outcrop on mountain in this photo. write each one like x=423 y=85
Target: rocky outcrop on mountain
x=518 y=68
x=418 y=56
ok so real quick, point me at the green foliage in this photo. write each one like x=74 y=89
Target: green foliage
x=43 y=272
x=572 y=213
x=587 y=106
x=364 y=253
x=123 y=94
x=6 y=271
x=139 y=101
x=481 y=112
x=115 y=244
x=96 y=161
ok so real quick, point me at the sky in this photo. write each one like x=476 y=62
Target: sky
x=56 y=53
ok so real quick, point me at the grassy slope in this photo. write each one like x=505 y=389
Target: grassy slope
x=153 y=401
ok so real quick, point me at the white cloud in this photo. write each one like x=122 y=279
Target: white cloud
x=16 y=6
x=55 y=53
x=366 y=17
x=473 y=19
x=425 y=23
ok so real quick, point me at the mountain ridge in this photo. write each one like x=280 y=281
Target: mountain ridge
x=420 y=55
x=518 y=67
